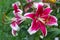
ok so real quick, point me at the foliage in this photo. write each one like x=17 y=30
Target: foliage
x=5 y=29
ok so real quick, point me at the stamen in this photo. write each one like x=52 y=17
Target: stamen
x=42 y=20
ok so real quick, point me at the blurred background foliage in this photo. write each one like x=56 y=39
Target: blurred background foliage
x=5 y=29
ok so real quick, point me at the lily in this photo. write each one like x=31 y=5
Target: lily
x=18 y=19
x=40 y=19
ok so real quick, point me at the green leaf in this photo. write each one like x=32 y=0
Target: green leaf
x=52 y=33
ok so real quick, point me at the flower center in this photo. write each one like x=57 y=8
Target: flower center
x=41 y=19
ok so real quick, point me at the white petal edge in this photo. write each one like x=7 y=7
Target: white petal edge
x=13 y=19
x=17 y=3
x=56 y=24
x=19 y=13
x=28 y=14
x=16 y=28
x=50 y=12
x=30 y=31
x=45 y=34
x=53 y=24
x=35 y=5
x=14 y=34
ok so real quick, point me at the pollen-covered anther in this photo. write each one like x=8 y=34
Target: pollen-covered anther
x=46 y=20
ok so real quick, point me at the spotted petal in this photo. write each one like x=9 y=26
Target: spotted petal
x=34 y=28
x=46 y=11
x=52 y=20
x=39 y=10
x=43 y=29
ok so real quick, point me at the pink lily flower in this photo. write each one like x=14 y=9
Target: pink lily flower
x=18 y=19
x=40 y=19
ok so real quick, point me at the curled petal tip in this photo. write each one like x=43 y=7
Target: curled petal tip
x=18 y=13
x=14 y=33
x=44 y=34
x=46 y=4
x=35 y=5
x=41 y=3
x=17 y=3
x=29 y=15
x=15 y=27
x=33 y=29
x=51 y=11
x=56 y=24
x=31 y=32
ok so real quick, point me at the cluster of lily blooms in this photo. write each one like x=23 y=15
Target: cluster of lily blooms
x=40 y=18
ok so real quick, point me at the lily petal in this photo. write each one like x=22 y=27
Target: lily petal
x=21 y=20
x=14 y=33
x=18 y=13
x=29 y=15
x=47 y=11
x=43 y=29
x=52 y=20
x=34 y=28
x=16 y=5
x=39 y=10
x=14 y=26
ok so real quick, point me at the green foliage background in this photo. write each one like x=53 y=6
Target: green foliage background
x=5 y=29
